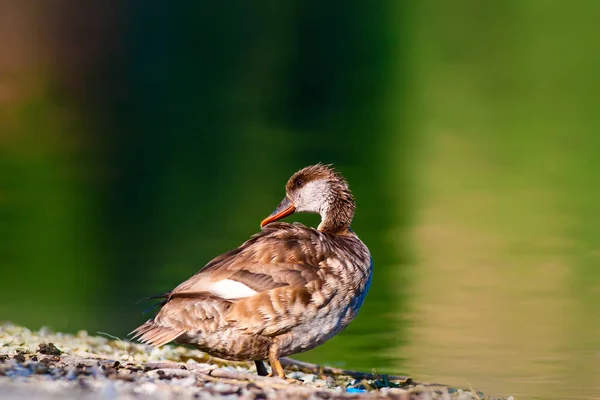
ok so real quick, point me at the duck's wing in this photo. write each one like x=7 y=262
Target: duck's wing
x=282 y=255
x=295 y=272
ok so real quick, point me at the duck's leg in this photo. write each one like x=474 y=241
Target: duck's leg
x=261 y=370
x=276 y=368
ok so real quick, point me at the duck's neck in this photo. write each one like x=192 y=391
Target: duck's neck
x=337 y=216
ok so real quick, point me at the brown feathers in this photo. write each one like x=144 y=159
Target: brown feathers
x=337 y=203
x=155 y=335
x=313 y=173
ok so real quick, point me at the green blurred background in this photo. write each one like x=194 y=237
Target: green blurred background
x=140 y=139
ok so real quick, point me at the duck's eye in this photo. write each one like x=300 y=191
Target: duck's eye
x=298 y=182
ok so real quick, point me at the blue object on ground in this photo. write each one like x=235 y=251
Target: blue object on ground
x=355 y=390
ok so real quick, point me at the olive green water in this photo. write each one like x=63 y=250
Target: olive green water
x=140 y=143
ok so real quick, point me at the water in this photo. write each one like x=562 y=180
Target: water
x=468 y=133
x=505 y=291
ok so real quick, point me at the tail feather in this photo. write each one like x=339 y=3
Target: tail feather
x=156 y=296
x=155 y=335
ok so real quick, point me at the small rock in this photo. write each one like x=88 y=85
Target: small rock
x=49 y=349
x=39 y=368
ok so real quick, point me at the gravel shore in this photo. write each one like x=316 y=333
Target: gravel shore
x=49 y=365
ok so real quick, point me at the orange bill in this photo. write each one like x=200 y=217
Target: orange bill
x=284 y=209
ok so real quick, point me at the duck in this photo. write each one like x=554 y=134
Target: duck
x=286 y=290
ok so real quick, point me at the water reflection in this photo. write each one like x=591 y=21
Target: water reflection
x=498 y=301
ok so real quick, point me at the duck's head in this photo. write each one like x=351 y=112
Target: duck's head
x=318 y=189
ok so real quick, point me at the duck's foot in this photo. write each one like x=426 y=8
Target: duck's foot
x=276 y=368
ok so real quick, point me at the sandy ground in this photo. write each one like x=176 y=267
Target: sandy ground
x=49 y=365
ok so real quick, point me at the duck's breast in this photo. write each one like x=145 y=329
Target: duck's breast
x=341 y=295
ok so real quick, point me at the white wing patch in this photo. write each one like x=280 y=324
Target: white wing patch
x=230 y=289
